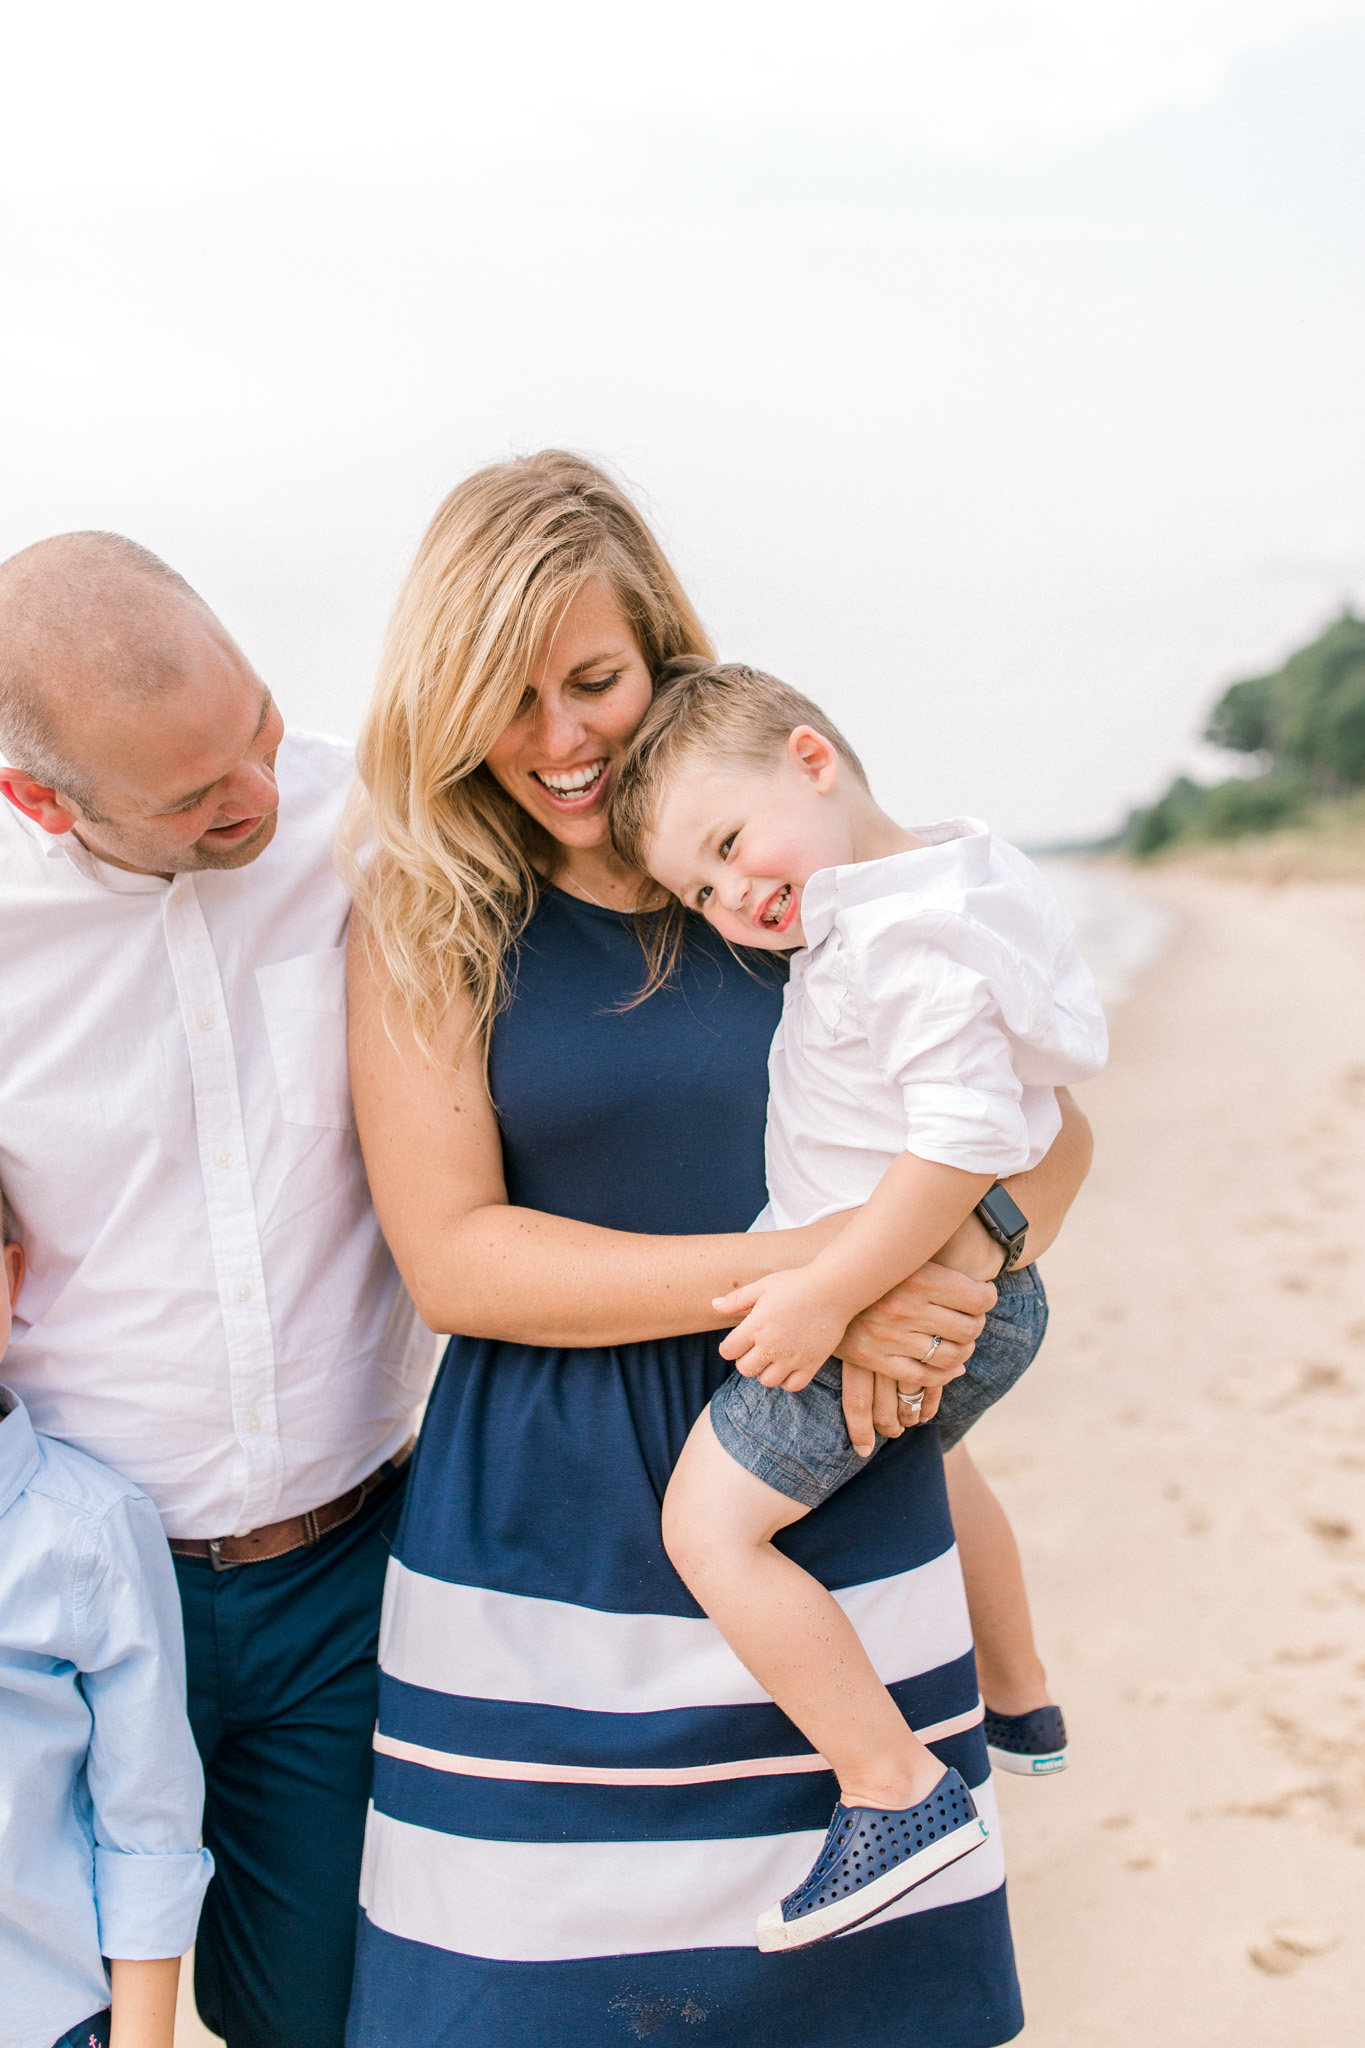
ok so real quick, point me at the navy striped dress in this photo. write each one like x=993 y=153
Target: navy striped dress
x=581 y=1799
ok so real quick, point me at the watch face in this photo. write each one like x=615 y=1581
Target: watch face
x=1003 y=1214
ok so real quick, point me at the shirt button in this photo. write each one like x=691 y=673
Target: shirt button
x=222 y=1157
x=253 y=1423
x=243 y=1291
x=204 y=1020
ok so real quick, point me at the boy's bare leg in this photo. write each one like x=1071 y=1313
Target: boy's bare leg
x=1012 y=1677
x=142 y=2003
x=719 y=1521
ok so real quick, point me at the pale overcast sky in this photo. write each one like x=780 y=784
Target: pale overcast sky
x=992 y=368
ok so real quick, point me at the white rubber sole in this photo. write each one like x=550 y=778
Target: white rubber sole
x=776 y=1935
x=1028 y=1766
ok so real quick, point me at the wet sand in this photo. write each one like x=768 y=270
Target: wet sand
x=1185 y=1466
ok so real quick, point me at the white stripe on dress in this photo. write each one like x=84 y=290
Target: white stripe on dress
x=545 y=1902
x=480 y=1644
x=681 y=1774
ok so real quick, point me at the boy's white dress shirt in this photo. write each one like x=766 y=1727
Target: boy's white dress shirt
x=209 y=1307
x=100 y=1785
x=938 y=1003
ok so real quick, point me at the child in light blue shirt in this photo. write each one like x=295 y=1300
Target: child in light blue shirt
x=101 y=1790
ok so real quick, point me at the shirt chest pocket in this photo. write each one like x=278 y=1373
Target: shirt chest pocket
x=305 y=1015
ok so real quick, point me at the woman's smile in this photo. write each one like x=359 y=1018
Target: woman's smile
x=573 y=789
x=587 y=694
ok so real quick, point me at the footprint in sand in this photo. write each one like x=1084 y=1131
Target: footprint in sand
x=1331 y=1529
x=1288 y=1945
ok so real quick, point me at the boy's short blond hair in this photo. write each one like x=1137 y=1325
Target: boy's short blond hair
x=719 y=709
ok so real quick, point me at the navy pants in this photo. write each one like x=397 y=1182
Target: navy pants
x=91 y=2033
x=283 y=1683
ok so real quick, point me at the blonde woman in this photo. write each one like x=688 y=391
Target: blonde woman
x=579 y=1792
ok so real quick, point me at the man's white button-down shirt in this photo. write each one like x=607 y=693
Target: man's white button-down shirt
x=209 y=1307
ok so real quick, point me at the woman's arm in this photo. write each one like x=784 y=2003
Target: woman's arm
x=474 y=1263
x=1044 y=1194
x=793 y=1320
x=884 y=1336
x=960 y=1276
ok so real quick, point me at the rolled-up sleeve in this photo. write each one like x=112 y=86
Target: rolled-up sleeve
x=143 y=1771
x=940 y=1034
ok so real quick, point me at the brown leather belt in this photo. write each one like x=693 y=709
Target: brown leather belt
x=296 y=1532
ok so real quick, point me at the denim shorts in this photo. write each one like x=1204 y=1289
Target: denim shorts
x=799 y=1443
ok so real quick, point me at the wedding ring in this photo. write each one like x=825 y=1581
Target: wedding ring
x=915 y=1400
x=932 y=1349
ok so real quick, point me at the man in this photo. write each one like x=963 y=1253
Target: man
x=210 y=1307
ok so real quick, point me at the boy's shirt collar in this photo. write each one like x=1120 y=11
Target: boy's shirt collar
x=18 y=1449
x=956 y=848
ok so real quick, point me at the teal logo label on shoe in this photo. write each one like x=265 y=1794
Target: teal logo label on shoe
x=1048 y=1763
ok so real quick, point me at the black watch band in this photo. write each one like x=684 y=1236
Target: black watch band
x=1005 y=1221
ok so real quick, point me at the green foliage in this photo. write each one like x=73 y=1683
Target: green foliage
x=1309 y=715
x=1243 y=718
x=1232 y=808
x=1171 y=817
x=1308 y=722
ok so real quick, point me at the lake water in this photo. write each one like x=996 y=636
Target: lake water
x=1117 y=929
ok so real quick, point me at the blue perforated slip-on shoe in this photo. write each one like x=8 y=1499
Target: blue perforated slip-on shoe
x=870 y=1859
x=1031 y=1745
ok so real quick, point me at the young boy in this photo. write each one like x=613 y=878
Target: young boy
x=937 y=1005
x=100 y=1785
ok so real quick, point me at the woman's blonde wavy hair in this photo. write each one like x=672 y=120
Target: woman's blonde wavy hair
x=444 y=866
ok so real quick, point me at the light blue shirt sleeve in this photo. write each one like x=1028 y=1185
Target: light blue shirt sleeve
x=143 y=1772
x=101 y=1791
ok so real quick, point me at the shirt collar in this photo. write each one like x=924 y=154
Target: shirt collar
x=66 y=846
x=18 y=1449
x=117 y=881
x=956 y=851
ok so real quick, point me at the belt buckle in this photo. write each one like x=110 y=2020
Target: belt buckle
x=216 y=1554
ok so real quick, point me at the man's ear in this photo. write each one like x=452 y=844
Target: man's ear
x=37 y=801
x=813 y=754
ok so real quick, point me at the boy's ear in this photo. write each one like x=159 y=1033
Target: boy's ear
x=14 y=1269
x=813 y=754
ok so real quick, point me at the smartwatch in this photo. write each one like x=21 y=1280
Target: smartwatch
x=1005 y=1221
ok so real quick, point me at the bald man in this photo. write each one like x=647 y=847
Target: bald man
x=209 y=1306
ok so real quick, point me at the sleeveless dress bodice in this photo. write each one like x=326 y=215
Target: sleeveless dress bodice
x=582 y=1800
x=636 y=1115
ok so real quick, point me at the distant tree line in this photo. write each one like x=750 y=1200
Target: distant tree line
x=1304 y=726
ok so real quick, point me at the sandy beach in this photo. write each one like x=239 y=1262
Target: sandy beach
x=1185 y=1468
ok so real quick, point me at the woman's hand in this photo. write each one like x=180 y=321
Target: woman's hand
x=872 y=1407
x=884 y=1350
x=894 y=1335
x=943 y=1300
